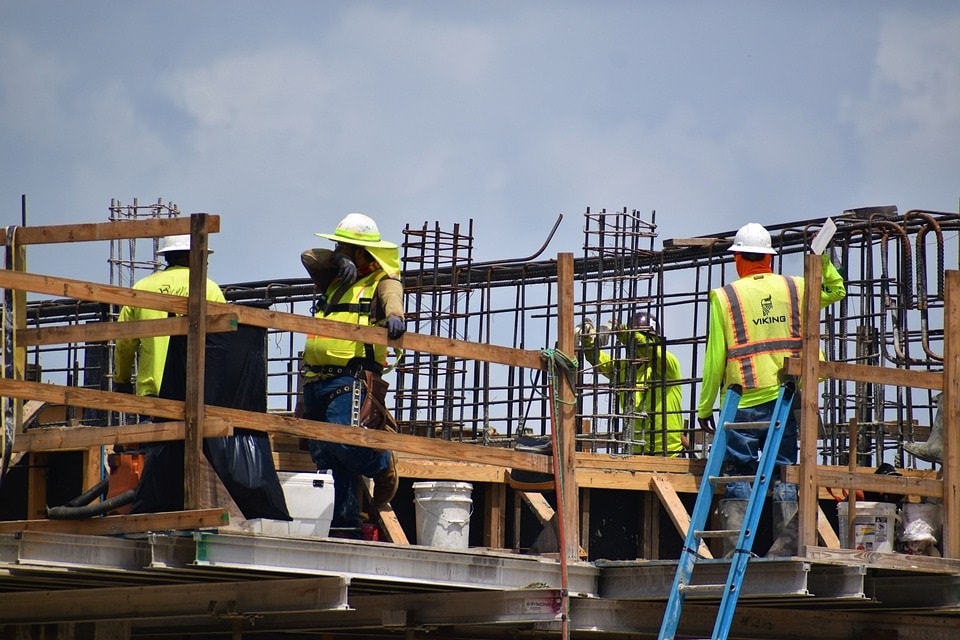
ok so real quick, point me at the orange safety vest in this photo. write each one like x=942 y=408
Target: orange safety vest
x=764 y=328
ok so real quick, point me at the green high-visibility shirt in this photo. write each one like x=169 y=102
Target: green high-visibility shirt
x=151 y=353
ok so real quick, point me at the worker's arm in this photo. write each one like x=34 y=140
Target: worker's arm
x=320 y=265
x=832 y=287
x=714 y=360
x=390 y=303
x=125 y=351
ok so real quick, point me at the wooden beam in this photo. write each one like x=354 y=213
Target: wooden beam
x=495 y=516
x=80 y=290
x=539 y=505
x=104 y=331
x=951 y=426
x=841 y=478
x=129 y=523
x=662 y=486
x=876 y=560
x=565 y=424
x=196 y=362
x=79 y=438
x=56 y=234
x=827 y=534
x=810 y=352
x=869 y=373
x=272 y=423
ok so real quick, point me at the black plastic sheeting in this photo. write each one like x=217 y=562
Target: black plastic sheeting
x=235 y=376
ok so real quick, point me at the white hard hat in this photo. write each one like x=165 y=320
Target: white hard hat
x=176 y=243
x=358 y=229
x=752 y=238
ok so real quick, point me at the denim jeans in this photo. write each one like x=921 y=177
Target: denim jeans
x=345 y=461
x=743 y=452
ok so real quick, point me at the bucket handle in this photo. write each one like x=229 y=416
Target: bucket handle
x=439 y=516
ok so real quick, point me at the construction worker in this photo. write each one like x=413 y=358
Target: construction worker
x=360 y=284
x=655 y=401
x=151 y=353
x=755 y=322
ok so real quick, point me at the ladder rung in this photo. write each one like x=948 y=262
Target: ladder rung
x=718 y=533
x=703 y=589
x=746 y=426
x=728 y=479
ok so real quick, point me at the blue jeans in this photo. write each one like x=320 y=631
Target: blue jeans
x=345 y=461
x=743 y=452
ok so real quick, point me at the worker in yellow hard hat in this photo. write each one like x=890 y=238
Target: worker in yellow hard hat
x=359 y=284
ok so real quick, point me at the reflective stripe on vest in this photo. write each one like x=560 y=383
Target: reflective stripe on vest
x=756 y=346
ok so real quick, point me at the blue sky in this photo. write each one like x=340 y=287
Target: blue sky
x=282 y=117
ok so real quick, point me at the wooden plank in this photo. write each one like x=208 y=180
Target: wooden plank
x=951 y=426
x=678 y=513
x=79 y=438
x=80 y=290
x=130 y=523
x=196 y=362
x=495 y=515
x=55 y=234
x=104 y=331
x=289 y=425
x=827 y=534
x=841 y=478
x=388 y=520
x=564 y=418
x=869 y=373
x=876 y=560
x=810 y=353
x=683 y=243
x=539 y=505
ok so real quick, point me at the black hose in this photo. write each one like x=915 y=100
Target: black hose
x=87 y=496
x=76 y=513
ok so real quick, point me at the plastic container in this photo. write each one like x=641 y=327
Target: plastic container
x=309 y=498
x=443 y=512
x=874 y=526
x=920 y=527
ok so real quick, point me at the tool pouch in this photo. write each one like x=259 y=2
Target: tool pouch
x=373 y=411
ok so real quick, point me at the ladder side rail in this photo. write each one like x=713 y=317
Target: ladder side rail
x=758 y=494
x=698 y=518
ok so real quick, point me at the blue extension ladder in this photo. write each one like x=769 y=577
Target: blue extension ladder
x=701 y=510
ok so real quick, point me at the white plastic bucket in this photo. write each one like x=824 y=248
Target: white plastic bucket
x=874 y=526
x=443 y=513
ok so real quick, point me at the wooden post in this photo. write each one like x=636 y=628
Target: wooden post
x=810 y=357
x=196 y=361
x=567 y=425
x=951 y=396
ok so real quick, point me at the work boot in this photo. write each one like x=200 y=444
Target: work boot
x=932 y=449
x=386 y=483
x=730 y=513
x=785 y=529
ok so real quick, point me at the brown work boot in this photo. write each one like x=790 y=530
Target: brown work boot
x=385 y=485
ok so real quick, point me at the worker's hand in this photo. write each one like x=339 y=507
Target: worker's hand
x=346 y=270
x=707 y=424
x=395 y=327
x=585 y=334
x=123 y=387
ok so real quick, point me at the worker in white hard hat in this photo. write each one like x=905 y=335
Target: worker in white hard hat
x=359 y=283
x=150 y=353
x=755 y=323
x=654 y=399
